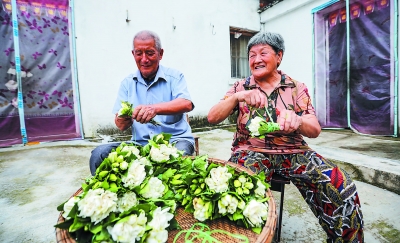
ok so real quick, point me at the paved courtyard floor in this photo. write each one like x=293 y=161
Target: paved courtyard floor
x=34 y=180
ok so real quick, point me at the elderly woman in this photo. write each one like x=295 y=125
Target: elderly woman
x=273 y=95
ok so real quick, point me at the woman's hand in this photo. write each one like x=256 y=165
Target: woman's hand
x=306 y=125
x=254 y=98
x=289 y=121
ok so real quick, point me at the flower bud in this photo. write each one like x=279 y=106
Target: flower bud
x=124 y=165
x=193 y=187
x=112 y=177
x=239 y=191
x=198 y=191
x=241 y=204
x=246 y=191
x=176 y=182
x=237 y=183
x=242 y=179
x=103 y=174
x=248 y=185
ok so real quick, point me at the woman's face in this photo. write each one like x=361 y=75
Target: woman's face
x=263 y=61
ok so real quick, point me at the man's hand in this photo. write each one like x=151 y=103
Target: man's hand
x=123 y=122
x=144 y=113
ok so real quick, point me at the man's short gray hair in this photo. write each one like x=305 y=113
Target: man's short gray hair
x=275 y=40
x=147 y=34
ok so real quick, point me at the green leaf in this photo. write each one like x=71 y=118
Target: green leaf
x=237 y=215
x=168 y=174
x=78 y=224
x=256 y=230
x=101 y=236
x=61 y=206
x=64 y=225
x=95 y=228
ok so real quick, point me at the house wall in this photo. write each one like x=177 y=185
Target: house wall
x=293 y=20
x=199 y=46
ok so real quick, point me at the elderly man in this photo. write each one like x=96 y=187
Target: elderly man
x=156 y=92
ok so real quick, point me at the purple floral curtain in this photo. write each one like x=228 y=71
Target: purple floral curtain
x=371 y=68
x=46 y=73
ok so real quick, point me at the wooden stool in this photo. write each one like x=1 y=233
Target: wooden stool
x=278 y=184
x=196 y=139
x=196 y=144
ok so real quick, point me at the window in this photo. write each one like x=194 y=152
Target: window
x=239 y=39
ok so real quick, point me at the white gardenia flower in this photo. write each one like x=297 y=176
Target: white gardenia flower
x=201 y=209
x=228 y=204
x=144 y=161
x=127 y=201
x=129 y=230
x=218 y=180
x=157 y=155
x=97 y=204
x=261 y=189
x=256 y=213
x=162 y=154
x=255 y=124
x=135 y=176
x=131 y=149
x=154 y=188
x=161 y=218
x=69 y=205
x=157 y=236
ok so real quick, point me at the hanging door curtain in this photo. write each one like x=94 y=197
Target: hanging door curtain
x=49 y=110
x=370 y=84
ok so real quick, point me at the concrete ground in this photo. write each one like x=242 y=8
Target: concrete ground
x=35 y=179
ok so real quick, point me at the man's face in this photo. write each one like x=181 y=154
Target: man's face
x=147 y=57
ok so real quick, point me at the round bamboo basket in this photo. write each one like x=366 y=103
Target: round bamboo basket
x=186 y=221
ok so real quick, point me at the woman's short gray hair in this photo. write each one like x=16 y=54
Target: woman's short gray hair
x=274 y=40
x=147 y=34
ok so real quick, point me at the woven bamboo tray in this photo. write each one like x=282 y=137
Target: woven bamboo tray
x=186 y=220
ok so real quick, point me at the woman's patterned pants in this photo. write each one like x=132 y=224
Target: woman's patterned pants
x=328 y=190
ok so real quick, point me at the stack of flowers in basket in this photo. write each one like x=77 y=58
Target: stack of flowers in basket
x=135 y=191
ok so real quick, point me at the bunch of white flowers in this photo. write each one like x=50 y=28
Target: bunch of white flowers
x=163 y=153
x=127 y=201
x=256 y=213
x=129 y=229
x=260 y=190
x=255 y=124
x=218 y=180
x=154 y=188
x=97 y=204
x=160 y=222
x=135 y=176
x=131 y=149
x=229 y=204
x=201 y=209
x=69 y=205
